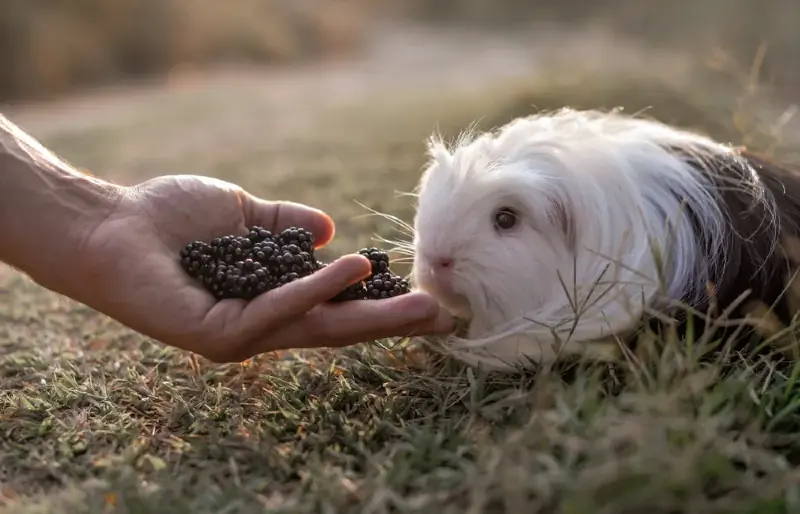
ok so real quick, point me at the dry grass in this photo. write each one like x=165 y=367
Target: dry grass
x=97 y=419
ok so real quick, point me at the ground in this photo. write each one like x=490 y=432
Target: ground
x=96 y=418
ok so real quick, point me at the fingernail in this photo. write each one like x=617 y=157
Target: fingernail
x=354 y=266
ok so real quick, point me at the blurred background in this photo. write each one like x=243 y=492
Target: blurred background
x=249 y=90
x=49 y=47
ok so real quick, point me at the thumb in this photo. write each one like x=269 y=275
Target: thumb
x=279 y=215
x=273 y=308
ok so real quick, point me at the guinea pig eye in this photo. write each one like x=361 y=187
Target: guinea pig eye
x=505 y=218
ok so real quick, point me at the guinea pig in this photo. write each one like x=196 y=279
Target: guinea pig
x=561 y=229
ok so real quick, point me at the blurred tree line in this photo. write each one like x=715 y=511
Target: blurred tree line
x=737 y=27
x=48 y=46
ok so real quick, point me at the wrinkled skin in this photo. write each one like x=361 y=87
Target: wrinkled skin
x=128 y=269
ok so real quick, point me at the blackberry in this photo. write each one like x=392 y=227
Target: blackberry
x=297 y=236
x=287 y=278
x=245 y=266
x=378 y=258
x=267 y=253
x=247 y=279
x=195 y=256
x=294 y=260
x=264 y=280
x=216 y=282
x=258 y=234
x=230 y=249
x=385 y=285
x=352 y=292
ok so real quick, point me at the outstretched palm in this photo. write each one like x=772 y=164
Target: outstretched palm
x=135 y=277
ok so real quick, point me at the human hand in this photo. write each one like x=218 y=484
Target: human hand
x=128 y=269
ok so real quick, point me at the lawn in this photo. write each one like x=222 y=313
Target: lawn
x=96 y=418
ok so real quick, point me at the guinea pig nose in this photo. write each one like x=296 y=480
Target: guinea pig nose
x=444 y=263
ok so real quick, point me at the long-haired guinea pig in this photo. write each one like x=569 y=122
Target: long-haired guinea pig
x=559 y=230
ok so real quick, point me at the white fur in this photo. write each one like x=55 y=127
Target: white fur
x=615 y=179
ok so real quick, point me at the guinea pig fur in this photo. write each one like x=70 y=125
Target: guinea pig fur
x=559 y=230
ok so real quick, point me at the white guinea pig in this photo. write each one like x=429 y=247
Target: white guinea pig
x=561 y=229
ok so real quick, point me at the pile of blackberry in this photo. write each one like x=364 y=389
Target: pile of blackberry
x=245 y=266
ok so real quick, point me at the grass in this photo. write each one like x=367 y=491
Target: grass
x=95 y=418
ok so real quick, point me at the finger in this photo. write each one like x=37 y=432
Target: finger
x=275 y=307
x=350 y=323
x=277 y=216
x=410 y=314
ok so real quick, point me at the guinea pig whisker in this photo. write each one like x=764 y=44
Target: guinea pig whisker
x=407 y=258
x=406 y=193
x=399 y=247
x=404 y=226
x=404 y=239
x=399 y=243
x=403 y=260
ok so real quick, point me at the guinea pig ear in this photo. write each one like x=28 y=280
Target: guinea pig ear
x=438 y=157
x=437 y=151
x=561 y=217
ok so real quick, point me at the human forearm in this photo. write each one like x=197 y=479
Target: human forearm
x=47 y=208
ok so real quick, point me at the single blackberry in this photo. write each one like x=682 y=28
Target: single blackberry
x=378 y=258
x=294 y=260
x=301 y=237
x=385 y=285
x=240 y=247
x=287 y=278
x=230 y=249
x=195 y=256
x=267 y=253
x=258 y=234
x=228 y=286
x=215 y=282
x=244 y=279
x=264 y=281
x=352 y=292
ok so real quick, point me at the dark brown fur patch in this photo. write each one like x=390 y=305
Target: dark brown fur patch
x=761 y=266
x=764 y=267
